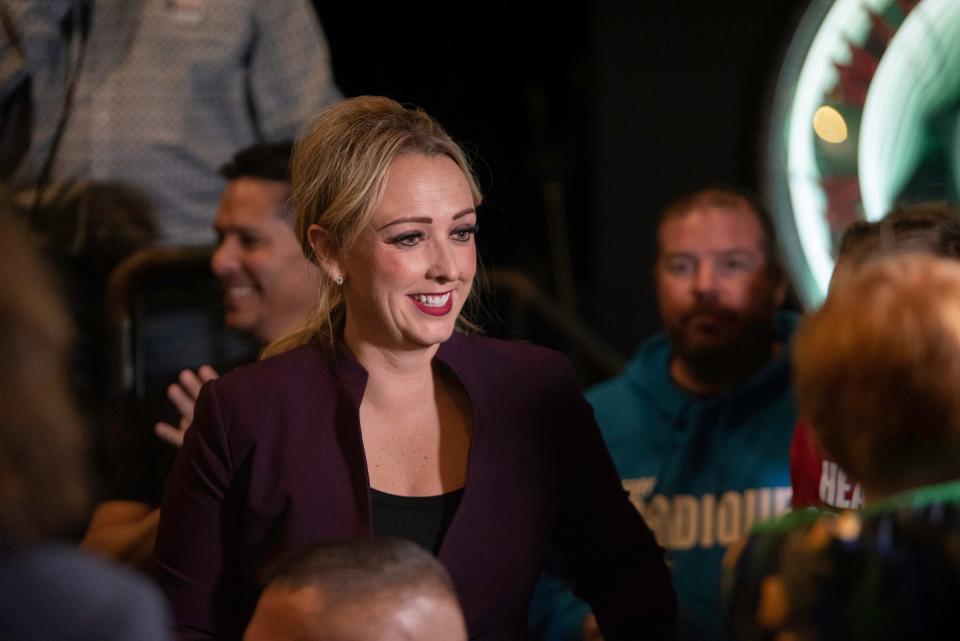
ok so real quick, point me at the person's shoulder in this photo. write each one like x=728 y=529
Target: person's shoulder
x=58 y=589
x=763 y=571
x=501 y=348
x=297 y=366
x=299 y=380
x=805 y=532
x=643 y=379
x=513 y=359
x=611 y=390
x=626 y=414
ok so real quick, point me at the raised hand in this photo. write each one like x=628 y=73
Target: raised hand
x=183 y=395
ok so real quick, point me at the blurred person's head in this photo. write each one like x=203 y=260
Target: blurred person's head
x=386 y=207
x=43 y=467
x=269 y=286
x=932 y=228
x=877 y=370
x=719 y=285
x=364 y=590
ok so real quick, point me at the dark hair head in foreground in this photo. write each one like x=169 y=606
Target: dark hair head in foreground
x=364 y=590
x=932 y=228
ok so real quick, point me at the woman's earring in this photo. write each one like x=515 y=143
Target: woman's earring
x=339 y=280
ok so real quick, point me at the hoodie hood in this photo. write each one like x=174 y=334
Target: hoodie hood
x=648 y=373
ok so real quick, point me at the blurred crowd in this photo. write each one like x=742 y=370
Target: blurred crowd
x=366 y=463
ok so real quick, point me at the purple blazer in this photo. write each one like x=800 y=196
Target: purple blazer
x=275 y=462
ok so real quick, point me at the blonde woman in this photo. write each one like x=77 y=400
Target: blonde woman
x=384 y=417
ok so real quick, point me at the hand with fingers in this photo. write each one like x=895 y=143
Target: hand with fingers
x=183 y=395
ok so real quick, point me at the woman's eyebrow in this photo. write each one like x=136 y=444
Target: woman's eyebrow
x=426 y=220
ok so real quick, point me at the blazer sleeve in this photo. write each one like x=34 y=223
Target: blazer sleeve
x=188 y=558
x=613 y=558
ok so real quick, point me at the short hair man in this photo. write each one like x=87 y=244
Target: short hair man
x=931 y=228
x=364 y=590
x=269 y=288
x=699 y=424
x=269 y=285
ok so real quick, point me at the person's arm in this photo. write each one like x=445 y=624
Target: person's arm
x=183 y=394
x=613 y=558
x=31 y=41
x=188 y=560
x=123 y=531
x=290 y=79
x=34 y=62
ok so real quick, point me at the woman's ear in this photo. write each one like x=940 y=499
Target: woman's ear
x=327 y=251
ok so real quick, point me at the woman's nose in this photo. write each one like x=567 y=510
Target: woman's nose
x=443 y=264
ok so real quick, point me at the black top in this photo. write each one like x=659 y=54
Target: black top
x=421 y=519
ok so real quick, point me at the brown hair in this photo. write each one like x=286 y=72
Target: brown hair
x=727 y=198
x=877 y=371
x=43 y=474
x=932 y=227
x=339 y=170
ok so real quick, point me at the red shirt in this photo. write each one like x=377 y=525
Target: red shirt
x=816 y=481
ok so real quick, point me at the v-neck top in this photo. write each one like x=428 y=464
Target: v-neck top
x=421 y=519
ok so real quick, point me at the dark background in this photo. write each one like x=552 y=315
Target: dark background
x=619 y=106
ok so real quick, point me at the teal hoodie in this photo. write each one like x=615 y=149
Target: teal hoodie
x=700 y=470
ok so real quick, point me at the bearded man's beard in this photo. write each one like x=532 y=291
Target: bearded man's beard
x=716 y=342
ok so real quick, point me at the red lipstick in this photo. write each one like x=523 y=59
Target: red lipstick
x=433 y=310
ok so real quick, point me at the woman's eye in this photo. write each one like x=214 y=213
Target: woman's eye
x=407 y=240
x=464 y=234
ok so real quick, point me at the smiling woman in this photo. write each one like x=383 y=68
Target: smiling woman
x=411 y=270
x=341 y=173
x=382 y=417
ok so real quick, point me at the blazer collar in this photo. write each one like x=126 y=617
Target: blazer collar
x=347 y=369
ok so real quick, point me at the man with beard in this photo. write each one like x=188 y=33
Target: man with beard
x=700 y=422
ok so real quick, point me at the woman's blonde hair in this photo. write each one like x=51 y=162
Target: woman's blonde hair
x=339 y=170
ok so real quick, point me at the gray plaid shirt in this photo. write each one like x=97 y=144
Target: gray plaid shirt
x=167 y=92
